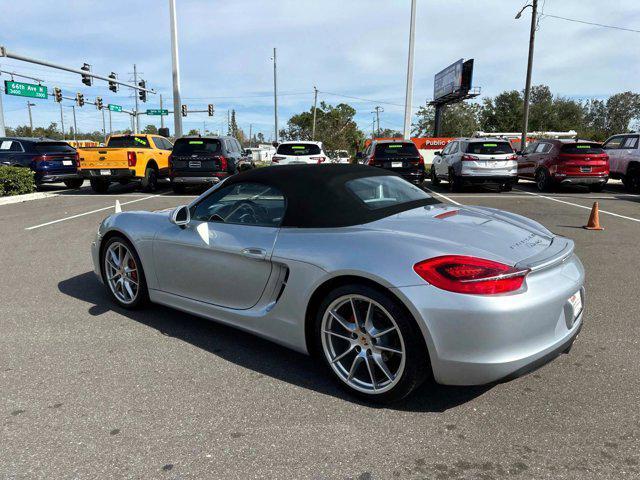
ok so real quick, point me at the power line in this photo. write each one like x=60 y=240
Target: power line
x=365 y=99
x=590 y=23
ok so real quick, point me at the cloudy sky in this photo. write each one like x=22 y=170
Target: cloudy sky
x=355 y=48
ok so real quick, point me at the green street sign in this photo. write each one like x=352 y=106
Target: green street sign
x=157 y=111
x=25 y=89
x=115 y=108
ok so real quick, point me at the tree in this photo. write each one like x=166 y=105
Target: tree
x=260 y=137
x=335 y=127
x=233 y=126
x=150 y=130
x=388 y=133
x=193 y=132
x=502 y=113
x=458 y=120
x=622 y=109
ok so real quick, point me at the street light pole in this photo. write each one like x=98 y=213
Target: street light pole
x=75 y=125
x=409 y=93
x=110 y=125
x=315 y=102
x=161 y=116
x=3 y=132
x=104 y=129
x=275 y=94
x=527 y=88
x=29 y=105
x=61 y=120
x=177 y=102
x=135 y=82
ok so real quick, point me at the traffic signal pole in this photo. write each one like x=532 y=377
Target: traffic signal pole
x=61 y=120
x=3 y=132
x=135 y=82
x=177 y=102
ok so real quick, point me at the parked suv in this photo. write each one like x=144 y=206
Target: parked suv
x=203 y=161
x=50 y=160
x=289 y=153
x=624 y=159
x=551 y=163
x=475 y=160
x=397 y=156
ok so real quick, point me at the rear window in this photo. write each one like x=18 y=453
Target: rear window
x=197 y=146
x=584 y=148
x=298 y=149
x=489 y=148
x=401 y=149
x=128 y=141
x=385 y=191
x=54 y=147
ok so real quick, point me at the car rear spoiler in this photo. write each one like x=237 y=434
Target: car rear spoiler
x=560 y=249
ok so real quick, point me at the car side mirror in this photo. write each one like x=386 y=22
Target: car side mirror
x=438 y=152
x=180 y=216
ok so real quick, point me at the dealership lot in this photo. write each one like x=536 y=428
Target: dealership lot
x=90 y=390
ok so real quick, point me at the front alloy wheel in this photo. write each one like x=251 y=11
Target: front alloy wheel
x=122 y=273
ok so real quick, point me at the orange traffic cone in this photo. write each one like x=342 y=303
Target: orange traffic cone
x=594 y=219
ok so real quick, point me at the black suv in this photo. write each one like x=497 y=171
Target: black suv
x=399 y=156
x=204 y=161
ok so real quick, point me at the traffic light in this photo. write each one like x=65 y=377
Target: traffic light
x=80 y=99
x=86 y=79
x=57 y=94
x=99 y=104
x=113 y=86
x=142 y=93
x=210 y=109
x=184 y=110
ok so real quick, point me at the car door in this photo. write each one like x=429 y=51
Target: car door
x=452 y=158
x=439 y=162
x=613 y=147
x=629 y=151
x=527 y=163
x=223 y=256
x=12 y=153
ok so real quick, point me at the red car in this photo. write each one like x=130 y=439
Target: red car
x=551 y=163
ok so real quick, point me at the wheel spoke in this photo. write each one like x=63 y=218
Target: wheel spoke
x=375 y=333
x=346 y=325
x=127 y=287
x=354 y=366
x=356 y=320
x=388 y=349
x=368 y=322
x=344 y=354
x=367 y=360
x=339 y=335
x=113 y=277
x=114 y=258
x=383 y=366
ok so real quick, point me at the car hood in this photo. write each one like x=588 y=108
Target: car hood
x=477 y=231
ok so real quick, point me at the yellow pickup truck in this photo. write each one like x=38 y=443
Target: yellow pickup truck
x=126 y=158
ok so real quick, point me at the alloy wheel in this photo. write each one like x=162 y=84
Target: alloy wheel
x=121 y=272
x=363 y=344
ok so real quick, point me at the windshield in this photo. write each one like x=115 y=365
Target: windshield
x=298 y=149
x=582 y=148
x=128 y=141
x=489 y=148
x=197 y=146
x=385 y=191
x=54 y=147
x=404 y=149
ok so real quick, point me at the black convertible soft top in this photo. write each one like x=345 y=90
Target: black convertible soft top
x=317 y=197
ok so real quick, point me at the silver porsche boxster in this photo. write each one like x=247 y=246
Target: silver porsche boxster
x=385 y=284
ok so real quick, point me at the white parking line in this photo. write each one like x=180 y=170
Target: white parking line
x=443 y=196
x=580 y=206
x=89 y=213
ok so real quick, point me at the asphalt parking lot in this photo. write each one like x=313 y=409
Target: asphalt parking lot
x=92 y=391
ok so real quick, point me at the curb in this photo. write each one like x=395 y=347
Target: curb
x=25 y=198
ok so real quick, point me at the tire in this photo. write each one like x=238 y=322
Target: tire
x=150 y=180
x=124 y=181
x=141 y=292
x=506 y=187
x=543 y=180
x=75 y=183
x=99 y=185
x=339 y=351
x=632 y=181
x=455 y=182
x=434 y=178
x=177 y=188
x=598 y=187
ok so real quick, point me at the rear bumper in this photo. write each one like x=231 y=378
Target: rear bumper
x=581 y=180
x=489 y=178
x=55 y=177
x=476 y=340
x=195 y=179
x=115 y=173
x=414 y=177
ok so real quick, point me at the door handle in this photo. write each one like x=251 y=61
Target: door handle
x=254 y=252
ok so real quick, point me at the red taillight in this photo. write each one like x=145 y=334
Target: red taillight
x=40 y=158
x=132 y=159
x=471 y=275
x=276 y=159
x=421 y=161
x=318 y=159
x=469 y=158
x=512 y=157
x=372 y=160
x=77 y=158
x=223 y=163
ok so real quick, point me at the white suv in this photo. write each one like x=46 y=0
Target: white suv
x=290 y=153
x=476 y=160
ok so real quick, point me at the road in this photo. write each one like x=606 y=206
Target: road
x=93 y=391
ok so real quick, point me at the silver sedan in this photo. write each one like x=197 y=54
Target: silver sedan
x=353 y=264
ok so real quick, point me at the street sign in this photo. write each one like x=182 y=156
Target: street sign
x=157 y=111
x=115 y=108
x=22 y=89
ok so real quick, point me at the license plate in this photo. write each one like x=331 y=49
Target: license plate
x=105 y=172
x=67 y=162
x=195 y=164
x=585 y=169
x=396 y=164
x=576 y=302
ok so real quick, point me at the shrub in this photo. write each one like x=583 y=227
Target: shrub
x=16 y=181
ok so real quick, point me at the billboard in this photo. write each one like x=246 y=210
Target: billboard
x=454 y=81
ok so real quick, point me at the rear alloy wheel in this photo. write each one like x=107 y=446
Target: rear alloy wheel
x=632 y=181
x=150 y=180
x=99 y=185
x=434 y=177
x=506 y=187
x=178 y=188
x=597 y=187
x=75 y=183
x=370 y=344
x=455 y=182
x=543 y=180
x=122 y=273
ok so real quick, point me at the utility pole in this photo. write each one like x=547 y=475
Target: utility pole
x=61 y=120
x=3 y=132
x=161 y=116
x=275 y=94
x=315 y=101
x=373 y=128
x=110 y=125
x=75 y=125
x=527 y=88
x=250 y=137
x=409 y=93
x=104 y=130
x=177 y=102
x=228 y=123
x=29 y=105
x=135 y=94
x=378 y=110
